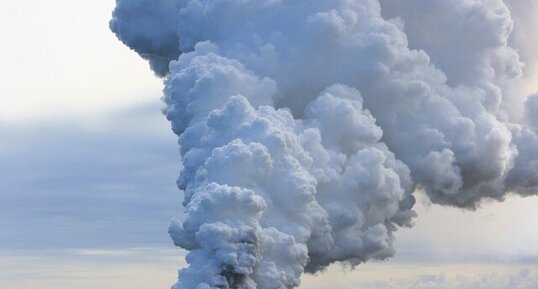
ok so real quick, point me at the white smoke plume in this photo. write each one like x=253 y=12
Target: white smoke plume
x=305 y=126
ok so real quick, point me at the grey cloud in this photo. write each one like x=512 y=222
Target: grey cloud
x=76 y=186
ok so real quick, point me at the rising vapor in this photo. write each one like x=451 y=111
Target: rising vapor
x=305 y=126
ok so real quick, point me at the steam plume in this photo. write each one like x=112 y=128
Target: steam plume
x=305 y=126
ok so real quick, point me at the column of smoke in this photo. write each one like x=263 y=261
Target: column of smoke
x=305 y=126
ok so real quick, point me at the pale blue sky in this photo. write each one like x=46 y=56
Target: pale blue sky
x=88 y=168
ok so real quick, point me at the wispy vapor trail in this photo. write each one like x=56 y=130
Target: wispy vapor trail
x=305 y=126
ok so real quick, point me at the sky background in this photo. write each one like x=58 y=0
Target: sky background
x=88 y=167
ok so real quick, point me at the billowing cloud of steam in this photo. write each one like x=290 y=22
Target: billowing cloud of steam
x=305 y=126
